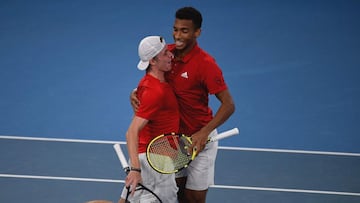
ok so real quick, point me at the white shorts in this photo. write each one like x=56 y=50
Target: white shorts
x=201 y=171
x=163 y=185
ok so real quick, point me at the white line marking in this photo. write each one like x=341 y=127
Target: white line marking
x=213 y=186
x=290 y=151
x=220 y=147
x=60 y=140
x=286 y=190
x=61 y=178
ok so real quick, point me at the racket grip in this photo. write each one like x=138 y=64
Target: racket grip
x=225 y=134
x=121 y=157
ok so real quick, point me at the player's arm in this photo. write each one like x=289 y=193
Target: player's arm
x=132 y=139
x=134 y=101
x=225 y=110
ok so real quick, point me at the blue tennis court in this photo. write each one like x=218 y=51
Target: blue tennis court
x=67 y=69
x=52 y=170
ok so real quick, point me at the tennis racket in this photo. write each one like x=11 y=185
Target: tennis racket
x=168 y=153
x=143 y=194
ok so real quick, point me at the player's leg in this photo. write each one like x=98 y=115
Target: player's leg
x=200 y=173
x=181 y=182
x=163 y=185
x=195 y=196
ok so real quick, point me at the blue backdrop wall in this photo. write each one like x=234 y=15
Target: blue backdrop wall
x=67 y=67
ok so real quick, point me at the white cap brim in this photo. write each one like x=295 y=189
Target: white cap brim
x=142 y=65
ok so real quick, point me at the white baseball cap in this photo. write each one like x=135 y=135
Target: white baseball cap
x=149 y=47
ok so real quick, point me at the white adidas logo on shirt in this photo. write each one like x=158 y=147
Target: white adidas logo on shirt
x=184 y=75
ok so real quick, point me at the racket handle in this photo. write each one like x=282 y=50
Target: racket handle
x=121 y=157
x=225 y=134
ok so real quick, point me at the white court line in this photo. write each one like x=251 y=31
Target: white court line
x=60 y=140
x=61 y=178
x=220 y=147
x=290 y=151
x=213 y=186
x=286 y=190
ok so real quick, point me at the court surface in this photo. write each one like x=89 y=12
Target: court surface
x=51 y=170
x=67 y=68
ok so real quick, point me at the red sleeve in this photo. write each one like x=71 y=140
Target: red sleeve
x=213 y=77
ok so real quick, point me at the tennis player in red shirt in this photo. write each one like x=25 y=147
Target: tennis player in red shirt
x=194 y=76
x=158 y=113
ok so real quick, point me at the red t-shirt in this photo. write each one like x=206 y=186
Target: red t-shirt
x=159 y=106
x=193 y=78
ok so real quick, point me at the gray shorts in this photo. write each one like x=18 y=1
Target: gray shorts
x=201 y=171
x=163 y=185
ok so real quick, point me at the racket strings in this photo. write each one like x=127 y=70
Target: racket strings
x=168 y=154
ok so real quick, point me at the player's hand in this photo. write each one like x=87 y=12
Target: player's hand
x=132 y=180
x=134 y=101
x=199 y=140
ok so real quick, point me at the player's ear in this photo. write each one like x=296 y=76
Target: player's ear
x=197 y=32
x=152 y=61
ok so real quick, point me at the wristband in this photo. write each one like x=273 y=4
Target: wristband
x=135 y=169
